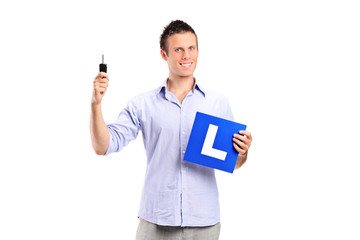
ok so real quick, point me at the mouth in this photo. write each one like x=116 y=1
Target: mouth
x=186 y=65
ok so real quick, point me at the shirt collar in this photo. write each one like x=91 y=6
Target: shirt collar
x=196 y=88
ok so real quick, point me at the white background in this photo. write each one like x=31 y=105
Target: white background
x=289 y=68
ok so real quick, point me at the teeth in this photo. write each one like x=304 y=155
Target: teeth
x=185 y=64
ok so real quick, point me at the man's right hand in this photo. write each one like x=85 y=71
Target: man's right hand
x=101 y=82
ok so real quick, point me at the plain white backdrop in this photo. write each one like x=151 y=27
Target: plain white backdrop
x=290 y=70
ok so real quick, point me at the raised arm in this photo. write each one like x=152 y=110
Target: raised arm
x=98 y=129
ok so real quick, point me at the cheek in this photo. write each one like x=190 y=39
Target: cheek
x=194 y=56
x=174 y=62
x=173 y=65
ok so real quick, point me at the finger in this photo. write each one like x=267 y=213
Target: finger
x=246 y=137
x=101 y=80
x=104 y=80
x=101 y=90
x=103 y=75
x=247 y=134
x=102 y=83
x=242 y=138
x=241 y=144
x=100 y=86
x=238 y=149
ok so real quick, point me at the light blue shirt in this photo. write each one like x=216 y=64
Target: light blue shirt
x=175 y=192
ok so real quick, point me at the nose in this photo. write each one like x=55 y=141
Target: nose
x=186 y=54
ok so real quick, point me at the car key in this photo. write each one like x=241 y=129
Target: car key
x=103 y=66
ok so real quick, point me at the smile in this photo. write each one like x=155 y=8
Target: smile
x=186 y=65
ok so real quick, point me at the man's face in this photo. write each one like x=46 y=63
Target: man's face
x=182 y=55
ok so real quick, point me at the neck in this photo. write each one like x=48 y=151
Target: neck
x=180 y=87
x=180 y=84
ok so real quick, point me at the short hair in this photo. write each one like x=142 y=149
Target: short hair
x=172 y=28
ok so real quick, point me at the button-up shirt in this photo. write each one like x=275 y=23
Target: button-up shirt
x=175 y=192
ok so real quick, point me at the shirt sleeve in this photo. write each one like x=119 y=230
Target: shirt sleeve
x=124 y=129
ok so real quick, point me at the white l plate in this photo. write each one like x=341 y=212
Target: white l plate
x=208 y=149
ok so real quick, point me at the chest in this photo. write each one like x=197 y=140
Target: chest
x=169 y=119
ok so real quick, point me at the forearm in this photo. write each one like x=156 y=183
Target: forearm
x=240 y=160
x=98 y=130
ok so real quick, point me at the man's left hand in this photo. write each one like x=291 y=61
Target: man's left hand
x=242 y=143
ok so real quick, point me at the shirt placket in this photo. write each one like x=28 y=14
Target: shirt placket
x=184 y=169
x=183 y=140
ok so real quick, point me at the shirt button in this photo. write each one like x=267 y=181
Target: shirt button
x=183 y=152
x=183 y=132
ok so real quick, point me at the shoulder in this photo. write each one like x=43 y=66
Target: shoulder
x=218 y=103
x=214 y=95
x=144 y=98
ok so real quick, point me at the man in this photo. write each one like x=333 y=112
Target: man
x=179 y=198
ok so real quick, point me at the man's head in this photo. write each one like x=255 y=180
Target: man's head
x=179 y=48
x=174 y=27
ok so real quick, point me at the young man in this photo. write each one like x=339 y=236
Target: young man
x=179 y=198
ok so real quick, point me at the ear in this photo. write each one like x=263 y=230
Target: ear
x=163 y=54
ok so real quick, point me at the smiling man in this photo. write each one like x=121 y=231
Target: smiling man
x=179 y=198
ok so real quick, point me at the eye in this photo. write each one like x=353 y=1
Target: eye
x=178 y=50
x=192 y=48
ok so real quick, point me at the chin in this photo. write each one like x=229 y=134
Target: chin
x=186 y=75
